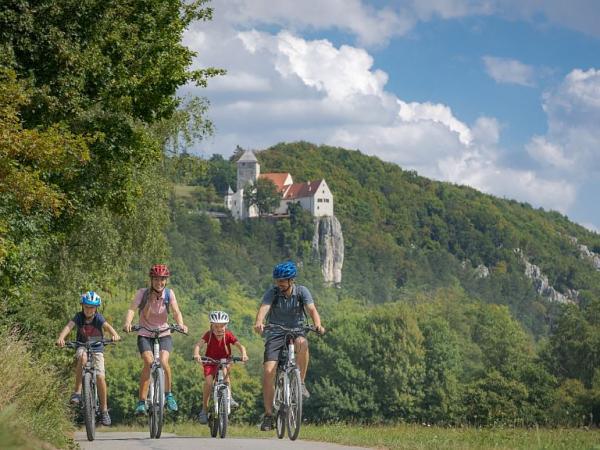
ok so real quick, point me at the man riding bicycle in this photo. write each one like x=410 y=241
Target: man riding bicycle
x=284 y=304
x=154 y=304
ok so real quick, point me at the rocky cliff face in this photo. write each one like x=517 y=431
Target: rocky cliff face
x=328 y=246
x=542 y=285
x=587 y=254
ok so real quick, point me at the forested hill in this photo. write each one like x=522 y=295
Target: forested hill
x=405 y=234
x=420 y=330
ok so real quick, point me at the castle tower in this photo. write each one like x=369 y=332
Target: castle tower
x=248 y=170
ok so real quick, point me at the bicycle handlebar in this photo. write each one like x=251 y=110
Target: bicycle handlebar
x=292 y=330
x=77 y=344
x=157 y=331
x=209 y=360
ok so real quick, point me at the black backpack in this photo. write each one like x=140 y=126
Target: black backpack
x=146 y=296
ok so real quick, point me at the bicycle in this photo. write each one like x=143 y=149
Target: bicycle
x=287 y=402
x=220 y=406
x=89 y=399
x=155 y=399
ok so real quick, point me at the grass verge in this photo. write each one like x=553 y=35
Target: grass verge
x=415 y=437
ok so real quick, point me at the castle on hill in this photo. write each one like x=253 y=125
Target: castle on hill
x=313 y=196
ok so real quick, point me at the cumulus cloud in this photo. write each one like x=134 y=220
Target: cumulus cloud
x=573 y=110
x=511 y=71
x=282 y=87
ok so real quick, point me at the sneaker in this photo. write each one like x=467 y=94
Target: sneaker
x=171 y=402
x=305 y=392
x=267 y=423
x=106 y=418
x=203 y=417
x=233 y=403
x=140 y=409
x=75 y=398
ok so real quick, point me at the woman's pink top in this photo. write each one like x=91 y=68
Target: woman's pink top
x=154 y=314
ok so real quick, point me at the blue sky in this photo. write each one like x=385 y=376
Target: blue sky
x=503 y=96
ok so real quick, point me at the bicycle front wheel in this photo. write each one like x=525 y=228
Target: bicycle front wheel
x=294 y=410
x=223 y=400
x=158 y=404
x=89 y=406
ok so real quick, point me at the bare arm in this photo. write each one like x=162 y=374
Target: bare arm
x=178 y=316
x=60 y=341
x=199 y=348
x=108 y=327
x=259 y=326
x=311 y=309
x=242 y=350
x=129 y=316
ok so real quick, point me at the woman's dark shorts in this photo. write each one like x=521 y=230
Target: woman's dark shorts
x=274 y=344
x=146 y=344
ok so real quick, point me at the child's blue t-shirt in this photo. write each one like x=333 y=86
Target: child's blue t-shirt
x=91 y=331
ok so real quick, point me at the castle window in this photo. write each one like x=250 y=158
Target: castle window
x=320 y=200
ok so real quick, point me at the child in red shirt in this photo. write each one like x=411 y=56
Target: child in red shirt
x=217 y=341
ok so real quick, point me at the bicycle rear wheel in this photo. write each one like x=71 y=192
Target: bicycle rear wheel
x=223 y=400
x=294 y=411
x=158 y=405
x=89 y=406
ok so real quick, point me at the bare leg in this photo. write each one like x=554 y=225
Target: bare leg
x=147 y=357
x=269 y=371
x=208 y=381
x=81 y=361
x=101 y=383
x=302 y=355
x=164 y=361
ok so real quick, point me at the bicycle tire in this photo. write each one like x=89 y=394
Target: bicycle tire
x=150 y=407
x=279 y=406
x=280 y=422
x=294 y=410
x=159 y=401
x=223 y=399
x=213 y=422
x=89 y=406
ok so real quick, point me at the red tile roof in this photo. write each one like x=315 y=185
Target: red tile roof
x=277 y=178
x=299 y=190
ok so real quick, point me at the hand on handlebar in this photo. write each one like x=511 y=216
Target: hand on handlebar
x=127 y=327
x=60 y=342
x=320 y=329
x=259 y=328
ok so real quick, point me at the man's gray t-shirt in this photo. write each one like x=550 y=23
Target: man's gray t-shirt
x=287 y=312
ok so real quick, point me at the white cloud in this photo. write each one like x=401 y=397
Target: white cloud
x=370 y=25
x=283 y=87
x=511 y=71
x=547 y=153
x=573 y=110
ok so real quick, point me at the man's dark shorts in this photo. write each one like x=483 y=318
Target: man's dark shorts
x=146 y=344
x=274 y=344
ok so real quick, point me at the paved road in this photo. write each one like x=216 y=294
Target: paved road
x=139 y=440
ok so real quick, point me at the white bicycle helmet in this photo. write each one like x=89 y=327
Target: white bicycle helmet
x=218 y=317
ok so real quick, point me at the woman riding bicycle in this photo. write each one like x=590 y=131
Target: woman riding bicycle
x=154 y=304
x=217 y=341
x=284 y=304
x=90 y=326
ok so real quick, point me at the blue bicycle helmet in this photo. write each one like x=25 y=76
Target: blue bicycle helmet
x=285 y=271
x=90 y=298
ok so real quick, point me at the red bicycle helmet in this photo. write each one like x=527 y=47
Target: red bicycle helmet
x=159 y=270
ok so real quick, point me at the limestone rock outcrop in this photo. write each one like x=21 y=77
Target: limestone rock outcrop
x=328 y=247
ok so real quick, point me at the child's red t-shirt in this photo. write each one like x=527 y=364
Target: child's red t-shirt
x=216 y=348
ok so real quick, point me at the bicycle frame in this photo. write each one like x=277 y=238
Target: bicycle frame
x=155 y=396
x=90 y=417
x=221 y=396
x=288 y=410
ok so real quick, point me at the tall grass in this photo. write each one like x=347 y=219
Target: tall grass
x=32 y=409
